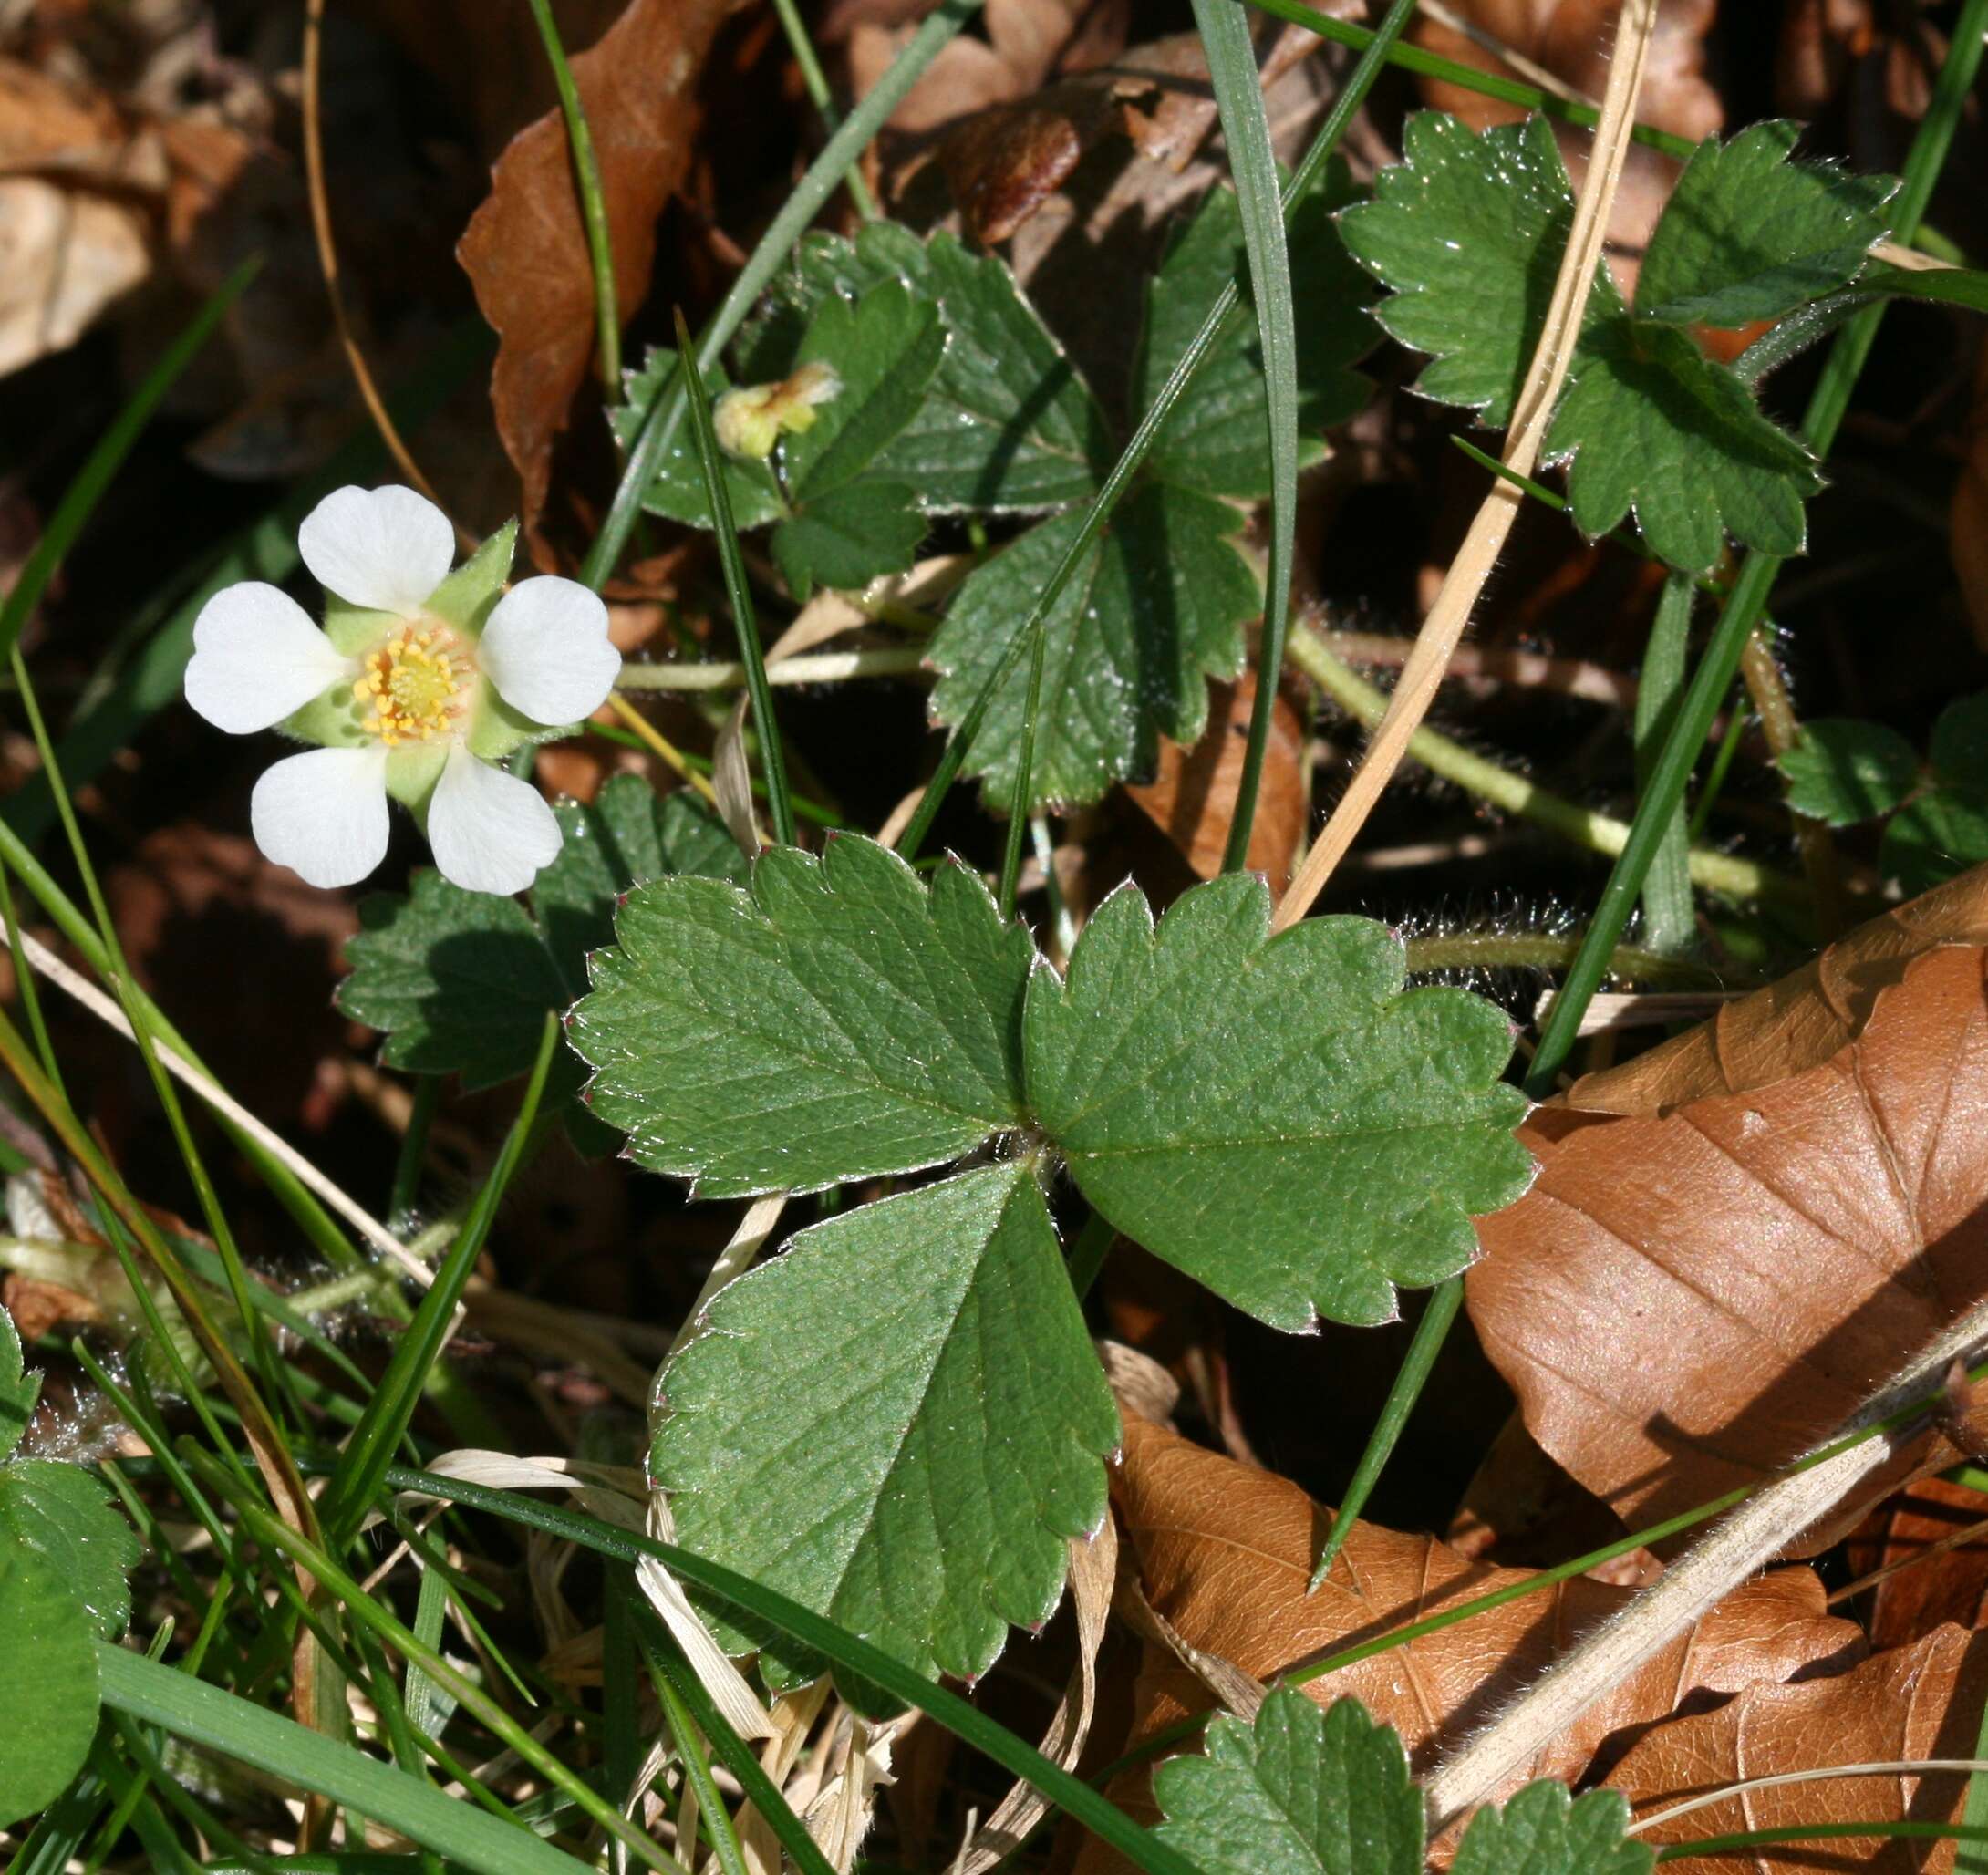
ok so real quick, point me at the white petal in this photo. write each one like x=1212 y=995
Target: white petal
x=323 y=814
x=491 y=832
x=256 y=657
x=546 y=649
x=384 y=548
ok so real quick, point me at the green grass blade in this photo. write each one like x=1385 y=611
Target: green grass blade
x=1824 y=1832
x=697 y=1772
x=205 y=1716
x=802 y=47
x=586 y=177
x=1973 y=1858
x=1748 y=600
x=79 y=500
x=967 y=1723
x=738 y=591
x=1413 y=1376
x=1468 y=77
x=666 y=1658
x=804 y=202
x=391 y=1408
x=1669 y=914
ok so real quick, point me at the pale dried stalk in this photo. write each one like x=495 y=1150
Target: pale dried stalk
x=819 y=668
x=1914 y=1767
x=1730 y=1553
x=1444 y=627
x=105 y=1009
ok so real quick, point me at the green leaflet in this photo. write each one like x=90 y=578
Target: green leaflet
x=1214 y=439
x=1131 y=641
x=1468 y=232
x=62 y=1514
x=47 y=1680
x=1749 y=236
x=18 y=1389
x=1006 y=425
x=460 y=981
x=955 y=1422
x=1275 y=1117
x=1944 y=829
x=1544 y=1831
x=838 y=1021
x=1300 y=1791
x=1841 y=771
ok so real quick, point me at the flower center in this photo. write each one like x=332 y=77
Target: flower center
x=414 y=684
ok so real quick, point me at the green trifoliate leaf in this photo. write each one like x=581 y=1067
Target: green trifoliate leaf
x=1544 y=1831
x=18 y=1389
x=1157 y=609
x=48 y=1680
x=1841 y=771
x=460 y=981
x=1468 y=231
x=900 y=1423
x=1655 y=427
x=1944 y=830
x=1275 y=1117
x=838 y=1021
x=1299 y=1792
x=678 y=491
x=1747 y=234
x=848 y=536
x=1215 y=439
x=64 y=1515
x=1007 y=424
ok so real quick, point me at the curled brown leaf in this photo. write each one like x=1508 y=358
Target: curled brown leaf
x=1224 y=1554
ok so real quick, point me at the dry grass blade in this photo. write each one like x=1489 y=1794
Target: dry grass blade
x=1441 y=630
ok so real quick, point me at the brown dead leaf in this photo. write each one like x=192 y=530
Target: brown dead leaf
x=1224 y=1553
x=1797 y=1023
x=1687 y=1303
x=1192 y=798
x=1932 y=1586
x=525 y=249
x=1909 y=1703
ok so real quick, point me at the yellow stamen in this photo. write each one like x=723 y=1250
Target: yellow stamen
x=414 y=685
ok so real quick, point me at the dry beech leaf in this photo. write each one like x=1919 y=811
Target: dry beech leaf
x=1919 y=1702
x=1687 y=1303
x=1798 y=1021
x=1192 y=798
x=1930 y=1590
x=525 y=250
x=1224 y=1553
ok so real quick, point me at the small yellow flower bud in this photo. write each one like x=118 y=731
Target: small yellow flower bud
x=750 y=420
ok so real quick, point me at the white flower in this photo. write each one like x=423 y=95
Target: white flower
x=419 y=682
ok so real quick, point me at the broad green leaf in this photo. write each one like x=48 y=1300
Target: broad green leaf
x=884 y=349
x=678 y=491
x=460 y=981
x=899 y=1423
x=1841 y=771
x=62 y=1514
x=1157 y=610
x=1654 y=426
x=1274 y=1116
x=1468 y=231
x=1215 y=439
x=839 y=1020
x=1006 y=425
x=848 y=536
x=1300 y=1791
x=1545 y=1831
x=1944 y=829
x=47 y=1679
x=18 y=1389
x=1747 y=234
